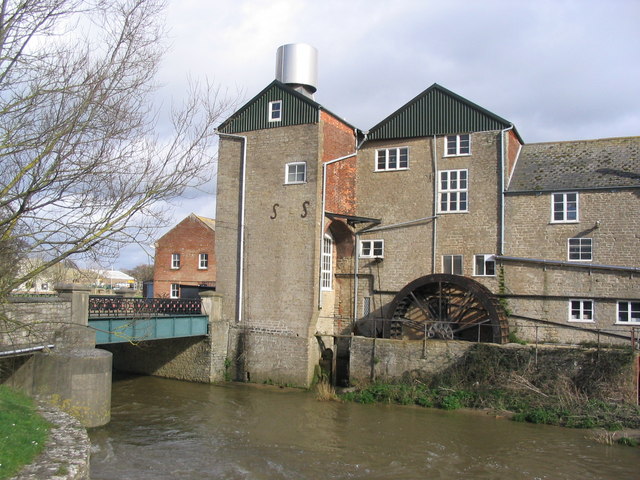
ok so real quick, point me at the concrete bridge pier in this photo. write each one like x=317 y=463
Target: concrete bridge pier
x=73 y=376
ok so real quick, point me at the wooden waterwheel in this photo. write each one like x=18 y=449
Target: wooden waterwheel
x=447 y=307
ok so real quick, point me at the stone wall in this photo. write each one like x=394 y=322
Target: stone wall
x=66 y=454
x=33 y=321
x=377 y=358
x=408 y=195
x=179 y=358
x=543 y=291
x=606 y=370
x=282 y=242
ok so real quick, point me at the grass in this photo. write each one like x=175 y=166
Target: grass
x=23 y=432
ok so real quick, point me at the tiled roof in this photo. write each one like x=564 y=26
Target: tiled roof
x=584 y=164
x=209 y=222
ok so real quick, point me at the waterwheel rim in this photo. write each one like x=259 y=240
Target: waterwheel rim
x=447 y=307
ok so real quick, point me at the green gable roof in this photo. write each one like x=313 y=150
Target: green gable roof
x=254 y=115
x=436 y=111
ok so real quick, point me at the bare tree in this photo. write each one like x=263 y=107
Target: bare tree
x=82 y=167
x=142 y=272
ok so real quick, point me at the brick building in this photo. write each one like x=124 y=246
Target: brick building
x=185 y=259
x=437 y=222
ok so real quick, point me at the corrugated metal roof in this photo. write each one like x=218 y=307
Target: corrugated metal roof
x=297 y=109
x=577 y=165
x=436 y=111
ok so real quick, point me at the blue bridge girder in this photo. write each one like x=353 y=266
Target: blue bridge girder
x=134 y=330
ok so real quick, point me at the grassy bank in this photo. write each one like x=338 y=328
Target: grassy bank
x=23 y=432
x=572 y=388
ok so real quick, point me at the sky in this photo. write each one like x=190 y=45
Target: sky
x=558 y=70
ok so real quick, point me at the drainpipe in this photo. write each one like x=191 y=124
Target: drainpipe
x=324 y=201
x=26 y=350
x=240 y=278
x=502 y=186
x=435 y=205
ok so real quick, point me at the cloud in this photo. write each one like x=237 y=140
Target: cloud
x=559 y=70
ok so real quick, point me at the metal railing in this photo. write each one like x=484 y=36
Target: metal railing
x=115 y=306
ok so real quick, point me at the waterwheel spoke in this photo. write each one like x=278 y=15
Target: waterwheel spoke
x=448 y=306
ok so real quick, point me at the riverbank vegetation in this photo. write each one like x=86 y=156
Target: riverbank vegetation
x=580 y=388
x=23 y=432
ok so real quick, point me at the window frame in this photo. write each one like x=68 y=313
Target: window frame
x=203 y=265
x=450 y=260
x=582 y=303
x=632 y=306
x=580 y=253
x=175 y=261
x=372 y=247
x=399 y=151
x=326 y=264
x=275 y=114
x=458 y=145
x=564 y=211
x=458 y=191
x=487 y=258
x=174 y=290
x=287 y=172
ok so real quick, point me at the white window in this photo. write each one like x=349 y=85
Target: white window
x=392 y=159
x=327 y=263
x=456 y=145
x=452 y=264
x=275 y=111
x=564 y=207
x=454 y=189
x=295 y=172
x=580 y=249
x=485 y=265
x=372 y=248
x=581 y=310
x=203 y=261
x=175 y=290
x=628 y=312
x=175 y=260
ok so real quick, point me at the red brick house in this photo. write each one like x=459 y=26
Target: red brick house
x=185 y=258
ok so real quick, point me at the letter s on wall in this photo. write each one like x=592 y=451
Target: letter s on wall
x=305 y=204
x=275 y=213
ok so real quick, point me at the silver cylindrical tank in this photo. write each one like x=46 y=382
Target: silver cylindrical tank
x=297 y=66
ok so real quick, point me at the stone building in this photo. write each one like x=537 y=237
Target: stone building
x=185 y=259
x=438 y=222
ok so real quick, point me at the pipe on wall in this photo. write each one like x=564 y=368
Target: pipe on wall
x=322 y=224
x=243 y=177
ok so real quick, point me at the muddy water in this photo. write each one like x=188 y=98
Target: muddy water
x=165 y=429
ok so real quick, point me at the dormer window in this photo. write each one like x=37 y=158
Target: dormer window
x=275 y=111
x=456 y=145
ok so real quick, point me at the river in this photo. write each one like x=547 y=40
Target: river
x=167 y=429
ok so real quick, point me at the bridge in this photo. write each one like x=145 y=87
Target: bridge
x=117 y=319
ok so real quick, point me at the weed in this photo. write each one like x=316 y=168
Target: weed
x=629 y=442
x=325 y=392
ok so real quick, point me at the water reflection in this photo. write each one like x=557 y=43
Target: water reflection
x=165 y=429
